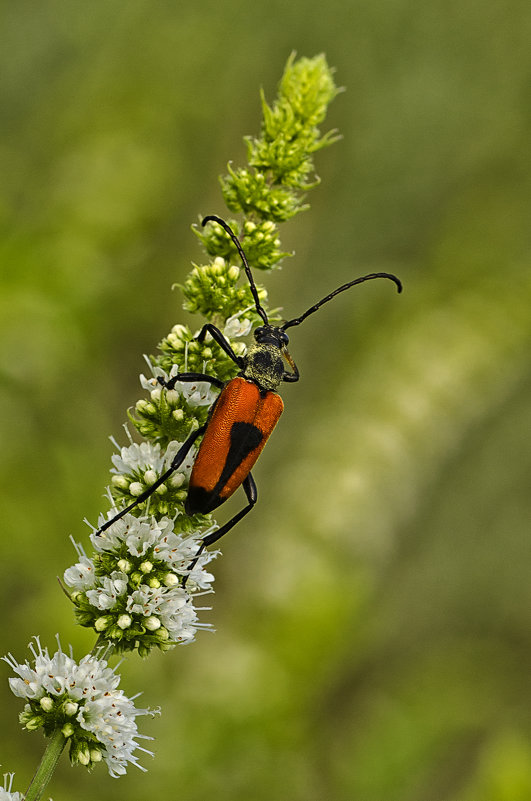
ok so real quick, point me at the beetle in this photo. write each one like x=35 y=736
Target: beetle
x=243 y=415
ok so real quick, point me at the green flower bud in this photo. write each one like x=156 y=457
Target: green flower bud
x=70 y=708
x=101 y=623
x=32 y=723
x=67 y=730
x=150 y=477
x=82 y=755
x=170 y=580
x=95 y=755
x=177 y=480
x=120 y=482
x=180 y=331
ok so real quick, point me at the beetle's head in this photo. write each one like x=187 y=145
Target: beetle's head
x=271 y=335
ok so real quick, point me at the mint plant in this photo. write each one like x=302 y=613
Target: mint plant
x=141 y=584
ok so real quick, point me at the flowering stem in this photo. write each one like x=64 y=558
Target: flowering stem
x=44 y=772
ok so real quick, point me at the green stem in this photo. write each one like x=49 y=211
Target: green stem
x=45 y=770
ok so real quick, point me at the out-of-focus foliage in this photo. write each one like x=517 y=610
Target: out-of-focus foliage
x=373 y=613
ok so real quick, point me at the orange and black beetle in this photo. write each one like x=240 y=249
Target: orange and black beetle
x=244 y=413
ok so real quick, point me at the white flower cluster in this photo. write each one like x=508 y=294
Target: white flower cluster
x=139 y=465
x=84 y=701
x=195 y=393
x=5 y=791
x=140 y=584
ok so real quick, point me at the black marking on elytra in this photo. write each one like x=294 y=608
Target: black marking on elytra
x=244 y=439
x=200 y=501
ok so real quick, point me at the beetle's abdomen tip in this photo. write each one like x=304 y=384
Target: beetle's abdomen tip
x=201 y=501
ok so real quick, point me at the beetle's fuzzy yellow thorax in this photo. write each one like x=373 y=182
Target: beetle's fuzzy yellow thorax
x=264 y=365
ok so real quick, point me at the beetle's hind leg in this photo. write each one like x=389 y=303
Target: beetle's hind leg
x=249 y=487
x=251 y=492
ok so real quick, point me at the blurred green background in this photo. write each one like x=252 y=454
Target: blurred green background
x=373 y=615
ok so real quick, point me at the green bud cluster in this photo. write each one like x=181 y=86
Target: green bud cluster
x=124 y=631
x=167 y=499
x=182 y=349
x=260 y=240
x=280 y=160
x=252 y=192
x=145 y=569
x=166 y=416
x=213 y=291
x=56 y=712
x=127 y=630
x=262 y=244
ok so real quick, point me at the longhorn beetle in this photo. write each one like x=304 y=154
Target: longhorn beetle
x=243 y=415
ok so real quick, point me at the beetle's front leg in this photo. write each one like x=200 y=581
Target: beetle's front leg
x=221 y=340
x=177 y=460
x=189 y=377
x=249 y=487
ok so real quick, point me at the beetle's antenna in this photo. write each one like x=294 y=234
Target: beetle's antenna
x=312 y=309
x=230 y=232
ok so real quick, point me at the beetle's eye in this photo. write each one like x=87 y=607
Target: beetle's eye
x=284 y=338
x=259 y=333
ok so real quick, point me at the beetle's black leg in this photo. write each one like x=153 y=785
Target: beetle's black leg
x=251 y=492
x=249 y=487
x=291 y=377
x=223 y=343
x=177 y=460
x=189 y=377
